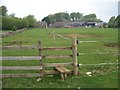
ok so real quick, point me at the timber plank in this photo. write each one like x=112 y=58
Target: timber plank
x=20 y=58
x=62 y=69
x=57 y=64
x=20 y=75
x=56 y=48
x=20 y=68
x=56 y=56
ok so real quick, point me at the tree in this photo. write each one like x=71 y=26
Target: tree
x=47 y=20
x=76 y=16
x=7 y=23
x=111 y=23
x=12 y=15
x=67 y=16
x=90 y=18
x=25 y=23
x=79 y=16
x=31 y=20
x=14 y=23
x=73 y=16
x=52 y=18
x=3 y=10
x=117 y=22
x=60 y=17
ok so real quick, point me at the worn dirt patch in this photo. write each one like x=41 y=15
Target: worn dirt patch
x=15 y=43
x=111 y=45
x=84 y=35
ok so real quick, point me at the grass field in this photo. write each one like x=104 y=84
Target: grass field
x=105 y=76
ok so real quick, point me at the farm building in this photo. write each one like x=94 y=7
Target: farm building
x=75 y=24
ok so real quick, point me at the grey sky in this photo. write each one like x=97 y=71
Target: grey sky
x=104 y=9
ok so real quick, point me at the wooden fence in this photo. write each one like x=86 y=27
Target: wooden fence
x=59 y=67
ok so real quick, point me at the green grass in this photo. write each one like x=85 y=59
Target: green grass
x=102 y=76
x=101 y=81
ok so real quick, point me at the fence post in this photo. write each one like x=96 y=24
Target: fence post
x=74 y=51
x=40 y=54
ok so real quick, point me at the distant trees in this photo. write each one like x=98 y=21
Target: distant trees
x=114 y=22
x=117 y=21
x=47 y=20
x=90 y=18
x=111 y=22
x=31 y=20
x=74 y=16
x=10 y=22
x=3 y=10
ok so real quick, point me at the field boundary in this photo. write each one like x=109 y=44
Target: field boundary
x=11 y=33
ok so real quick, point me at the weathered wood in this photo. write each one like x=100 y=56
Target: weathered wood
x=65 y=75
x=21 y=68
x=35 y=47
x=57 y=56
x=47 y=72
x=87 y=41
x=40 y=55
x=55 y=72
x=62 y=69
x=20 y=75
x=59 y=69
x=56 y=48
x=20 y=47
x=75 y=62
x=57 y=64
x=62 y=76
x=20 y=58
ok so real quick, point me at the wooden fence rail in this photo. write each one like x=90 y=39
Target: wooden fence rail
x=57 y=56
x=20 y=75
x=57 y=64
x=21 y=68
x=20 y=58
x=20 y=47
x=36 y=47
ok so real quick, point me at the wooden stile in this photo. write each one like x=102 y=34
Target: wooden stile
x=59 y=67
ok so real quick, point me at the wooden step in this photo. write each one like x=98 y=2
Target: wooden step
x=62 y=69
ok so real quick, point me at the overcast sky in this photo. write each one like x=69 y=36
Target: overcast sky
x=104 y=9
